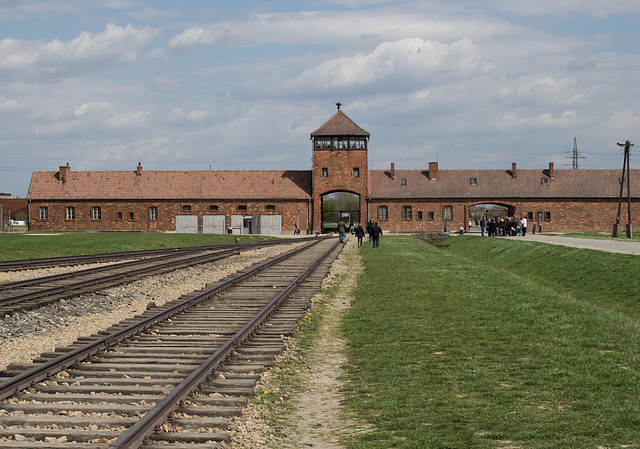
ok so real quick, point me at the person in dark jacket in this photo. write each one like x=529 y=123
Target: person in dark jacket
x=370 y=229
x=359 y=234
x=376 y=232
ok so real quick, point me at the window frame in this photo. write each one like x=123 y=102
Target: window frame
x=70 y=213
x=407 y=213
x=383 y=213
x=43 y=213
x=96 y=213
x=153 y=213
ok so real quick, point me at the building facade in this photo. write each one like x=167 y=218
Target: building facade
x=271 y=201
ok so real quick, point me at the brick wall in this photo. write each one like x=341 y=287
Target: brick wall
x=116 y=215
x=556 y=215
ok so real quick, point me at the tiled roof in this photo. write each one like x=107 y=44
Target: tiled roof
x=339 y=125
x=578 y=183
x=249 y=184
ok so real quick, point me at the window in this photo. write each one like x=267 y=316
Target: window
x=420 y=215
x=70 y=213
x=448 y=212
x=407 y=212
x=544 y=181
x=325 y=172
x=530 y=215
x=547 y=216
x=119 y=216
x=242 y=207
x=356 y=172
x=130 y=216
x=383 y=213
x=186 y=207
x=213 y=207
x=96 y=213
x=270 y=207
x=153 y=213
x=432 y=215
x=403 y=181
x=473 y=181
x=44 y=213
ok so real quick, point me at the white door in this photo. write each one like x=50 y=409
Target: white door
x=270 y=224
x=187 y=224
x=236 y=224
x=213 y=224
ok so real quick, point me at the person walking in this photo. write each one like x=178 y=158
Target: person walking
x=483 y=225
x=359 y=234
x=376 y=232
x=296 y=231
x=524 y=226
x=341 y=229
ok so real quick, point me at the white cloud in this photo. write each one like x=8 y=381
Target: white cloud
x=36 y=60
x=406 y=63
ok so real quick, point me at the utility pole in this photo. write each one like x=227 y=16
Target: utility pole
x=575 y=155
x=624 y=179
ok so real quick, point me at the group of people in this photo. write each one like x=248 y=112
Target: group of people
x=509 y=226
x=373 y=229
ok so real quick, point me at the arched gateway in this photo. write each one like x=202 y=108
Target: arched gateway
x=339 y=168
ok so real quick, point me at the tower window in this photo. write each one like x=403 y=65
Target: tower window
x=325 y=172
x=356 y=172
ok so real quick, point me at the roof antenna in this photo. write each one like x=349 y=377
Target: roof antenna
x=338 y=104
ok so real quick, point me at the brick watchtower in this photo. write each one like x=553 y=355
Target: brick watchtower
x=339 y=163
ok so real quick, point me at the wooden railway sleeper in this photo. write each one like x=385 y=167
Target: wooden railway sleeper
x=41 y=372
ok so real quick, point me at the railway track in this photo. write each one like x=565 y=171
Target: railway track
x=172 y=378
x=48 y=262
x=33 y=293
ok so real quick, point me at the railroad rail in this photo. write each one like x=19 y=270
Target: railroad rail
x=84 y=259
x=33 y=293
x=171 y=379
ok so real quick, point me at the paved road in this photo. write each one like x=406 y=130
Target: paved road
x=612 y=246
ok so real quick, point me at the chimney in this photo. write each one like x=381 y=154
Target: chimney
x=514 y=173
x=139 y=169
x=392 y=171
x=433 y=170
x=64 y=171
x=551 y=174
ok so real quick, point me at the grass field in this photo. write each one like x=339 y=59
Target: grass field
x=15 y=246
x=494 y=343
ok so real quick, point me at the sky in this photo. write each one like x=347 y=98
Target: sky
x=240 y=85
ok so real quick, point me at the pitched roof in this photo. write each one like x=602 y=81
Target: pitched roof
x=119 y=185
x=499 y=184
x=339 y=125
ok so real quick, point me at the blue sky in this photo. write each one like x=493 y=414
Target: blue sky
x=195 y=85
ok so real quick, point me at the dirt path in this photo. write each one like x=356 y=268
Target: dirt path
x=315 y=418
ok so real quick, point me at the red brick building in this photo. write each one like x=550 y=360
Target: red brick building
x=270 y=201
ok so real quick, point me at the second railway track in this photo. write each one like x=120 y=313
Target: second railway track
x=32 y=293
x=111 y=399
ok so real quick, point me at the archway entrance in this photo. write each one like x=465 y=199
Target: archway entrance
x=339 y=205
x=488 y=211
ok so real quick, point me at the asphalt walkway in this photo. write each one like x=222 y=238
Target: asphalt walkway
x=612 y=246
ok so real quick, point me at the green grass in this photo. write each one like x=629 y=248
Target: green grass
x=14 y=246
x=494 y=343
